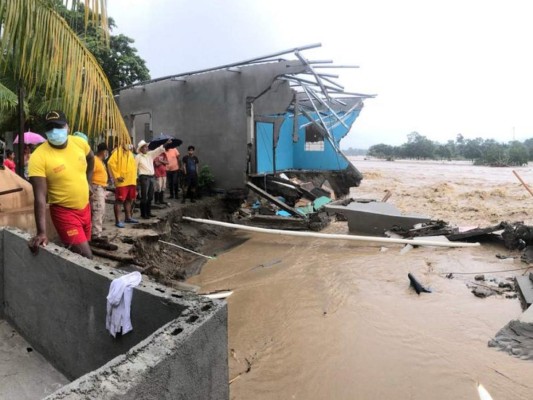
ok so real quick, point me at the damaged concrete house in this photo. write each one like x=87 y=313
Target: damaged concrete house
x=256 y=123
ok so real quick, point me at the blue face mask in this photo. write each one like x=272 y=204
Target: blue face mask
x=57 y=136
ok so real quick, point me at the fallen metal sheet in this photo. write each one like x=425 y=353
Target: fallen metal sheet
x=474 y=233
x=432 y=228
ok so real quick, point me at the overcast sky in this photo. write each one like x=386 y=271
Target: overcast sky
x=438 y=67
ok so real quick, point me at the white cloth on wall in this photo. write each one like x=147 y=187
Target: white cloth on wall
x=119 y=303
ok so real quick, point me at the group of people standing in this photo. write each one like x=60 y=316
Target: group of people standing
x=65 y=173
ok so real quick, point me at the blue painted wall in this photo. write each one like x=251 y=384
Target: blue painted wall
x=285 y=148
x=291 y=155
x=264 y=138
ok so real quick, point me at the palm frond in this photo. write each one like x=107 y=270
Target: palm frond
x=8 y=99
x=46 y=52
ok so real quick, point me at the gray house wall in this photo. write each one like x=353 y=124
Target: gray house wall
x=209 y=110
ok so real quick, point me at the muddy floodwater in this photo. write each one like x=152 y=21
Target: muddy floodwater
x=317 y=319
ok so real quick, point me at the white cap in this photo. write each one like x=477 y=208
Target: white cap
x=141 y=144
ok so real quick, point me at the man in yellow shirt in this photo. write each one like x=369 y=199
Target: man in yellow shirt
x=98 y=185
x=123 y=171
x=61 y=169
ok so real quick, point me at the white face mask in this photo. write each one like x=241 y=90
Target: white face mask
x=57 y=136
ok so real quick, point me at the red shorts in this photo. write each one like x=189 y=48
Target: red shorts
x=124 y=193
x=73 y=226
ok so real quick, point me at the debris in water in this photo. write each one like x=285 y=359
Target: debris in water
x=527 y=255
x=504 y=257
x=483 y=393
x=268 y=264
x=406 y=249
x=416 y=285
x=482 y=291
x=218 y=294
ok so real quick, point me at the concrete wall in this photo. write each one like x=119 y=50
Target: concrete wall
x=209 y=111
x=57 y=301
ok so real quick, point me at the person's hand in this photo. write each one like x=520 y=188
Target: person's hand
x=120 y=179
x=38 y=240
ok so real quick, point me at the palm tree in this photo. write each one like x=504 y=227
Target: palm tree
x=41 y=52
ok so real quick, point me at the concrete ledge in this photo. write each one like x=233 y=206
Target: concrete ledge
x=57 y=301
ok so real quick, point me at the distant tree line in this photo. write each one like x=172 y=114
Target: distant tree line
x=480 y=151
x=355 y=152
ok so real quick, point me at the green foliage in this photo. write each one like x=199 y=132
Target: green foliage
x=355 y=152
x=480 y=151
x=528 y=143
x=472 y=149
x=120 y=61
x=206 y=179
x=418 y=146
x=381 y=151
x=518 y=154
x=493 y=153
x=41 y=53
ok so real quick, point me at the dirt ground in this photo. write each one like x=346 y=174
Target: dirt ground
x=141 y=248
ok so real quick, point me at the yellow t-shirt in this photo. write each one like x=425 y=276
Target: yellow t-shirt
x=65 y=172
x=122 y=164
x=99 y=172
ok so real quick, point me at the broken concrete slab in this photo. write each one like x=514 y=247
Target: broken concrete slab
x=57 y=302
x=374 y=217
x=525 y=289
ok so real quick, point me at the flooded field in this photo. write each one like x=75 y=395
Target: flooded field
x=317 y=319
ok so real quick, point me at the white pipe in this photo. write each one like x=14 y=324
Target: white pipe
x=418 y=242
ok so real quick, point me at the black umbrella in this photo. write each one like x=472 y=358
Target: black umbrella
x=163 y=139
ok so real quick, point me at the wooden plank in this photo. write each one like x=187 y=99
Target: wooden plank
x=274 y=200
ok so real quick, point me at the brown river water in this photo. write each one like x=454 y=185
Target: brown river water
x=318 y=319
